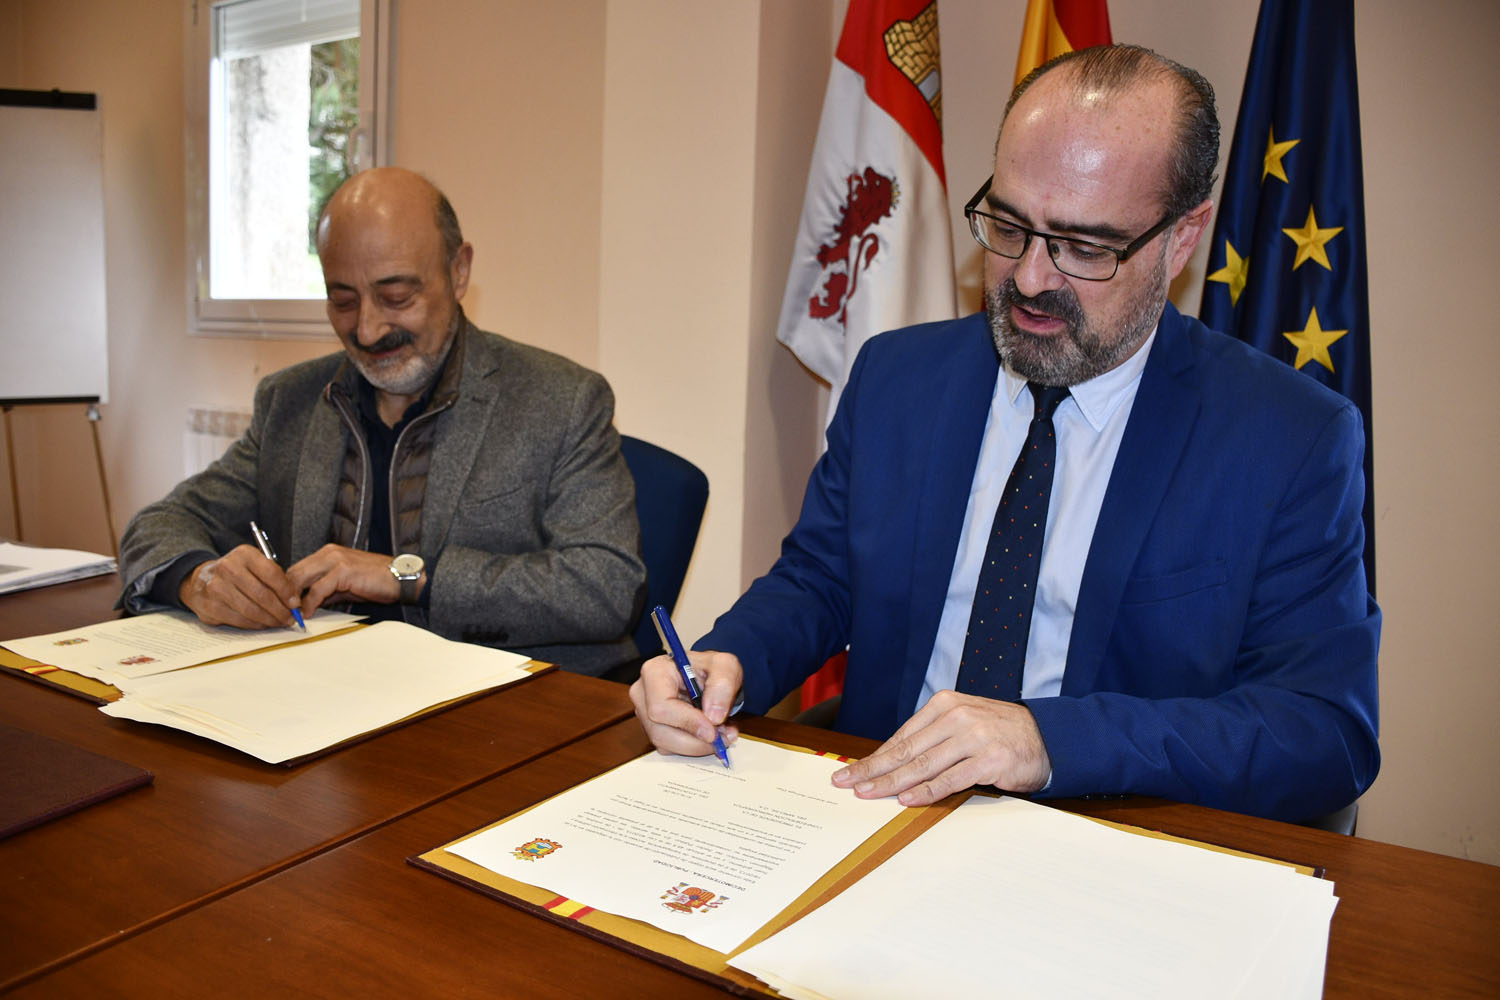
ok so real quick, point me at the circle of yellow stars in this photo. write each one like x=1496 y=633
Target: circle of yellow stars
x=1312 y=341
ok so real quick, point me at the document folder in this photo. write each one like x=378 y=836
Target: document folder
x=42 y=779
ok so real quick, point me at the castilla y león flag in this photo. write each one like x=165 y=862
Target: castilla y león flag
x=874 y=250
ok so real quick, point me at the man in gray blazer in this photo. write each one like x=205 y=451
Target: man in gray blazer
x=432 y=472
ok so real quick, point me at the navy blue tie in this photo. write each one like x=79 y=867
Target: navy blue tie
x=994 y=650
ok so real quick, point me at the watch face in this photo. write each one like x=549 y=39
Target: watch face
x=407 y=565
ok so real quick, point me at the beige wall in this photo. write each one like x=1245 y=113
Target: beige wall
x=705 y=155
x=630 y=173
x=1431 y=118
x=131 y=56
x=679 y=162
x=501 y=104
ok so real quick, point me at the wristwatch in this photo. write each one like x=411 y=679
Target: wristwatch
x=407 y=569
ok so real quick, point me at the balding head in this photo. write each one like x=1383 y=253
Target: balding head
x=394 y=192
x=395 y=266
x=1100 y=76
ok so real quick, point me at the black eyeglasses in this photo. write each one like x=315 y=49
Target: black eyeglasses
x=1076 y=258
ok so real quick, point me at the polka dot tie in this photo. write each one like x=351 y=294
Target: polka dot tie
x=995 y=646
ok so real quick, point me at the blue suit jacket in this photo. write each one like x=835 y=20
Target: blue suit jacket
x=1224 y=643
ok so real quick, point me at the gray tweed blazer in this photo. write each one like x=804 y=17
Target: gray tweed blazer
x=528 y=521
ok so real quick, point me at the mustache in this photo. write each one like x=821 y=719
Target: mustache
x=397 y=338
x=1059 y=303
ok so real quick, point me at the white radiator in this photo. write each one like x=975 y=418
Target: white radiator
x=208 y=434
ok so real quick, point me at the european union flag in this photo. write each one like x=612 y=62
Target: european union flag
x=1287 y=263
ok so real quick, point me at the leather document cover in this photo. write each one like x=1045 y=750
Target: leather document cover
x=42 y=778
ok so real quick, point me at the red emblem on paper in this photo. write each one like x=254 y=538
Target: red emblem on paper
x=869 y=197
x=131 y=661
x=686 y=898
x=533 y=850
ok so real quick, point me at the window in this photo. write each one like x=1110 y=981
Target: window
x=286 y=98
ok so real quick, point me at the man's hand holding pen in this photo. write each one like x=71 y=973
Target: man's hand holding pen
x=955 y=742
x=669 y=718
x=247 y=589
x=242 y=588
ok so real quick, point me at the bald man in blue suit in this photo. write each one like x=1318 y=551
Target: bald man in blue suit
x=1203 y=630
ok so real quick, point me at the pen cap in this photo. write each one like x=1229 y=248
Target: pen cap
x=659 y=615
x=669 y=638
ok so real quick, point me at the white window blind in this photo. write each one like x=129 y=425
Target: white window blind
x=248 y=28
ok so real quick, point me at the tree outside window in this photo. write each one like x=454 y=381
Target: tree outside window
x=286 y=111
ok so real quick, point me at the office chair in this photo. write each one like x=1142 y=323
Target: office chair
x=1339 y=821
x=670 y=495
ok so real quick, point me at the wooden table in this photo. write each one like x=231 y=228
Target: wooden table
x=357 y=920
x=216 y=820
x=52 y=609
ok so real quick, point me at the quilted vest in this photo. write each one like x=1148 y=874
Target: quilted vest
x=352 y=505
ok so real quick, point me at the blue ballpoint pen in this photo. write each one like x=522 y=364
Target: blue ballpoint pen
x=265 y=549
x=685 y=670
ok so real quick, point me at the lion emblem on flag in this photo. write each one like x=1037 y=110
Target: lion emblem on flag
x=869 y=196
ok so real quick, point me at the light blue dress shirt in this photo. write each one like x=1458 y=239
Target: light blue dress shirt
x=1089 y=426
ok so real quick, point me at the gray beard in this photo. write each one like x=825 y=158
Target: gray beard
x=1084 y=352
x=411 y=378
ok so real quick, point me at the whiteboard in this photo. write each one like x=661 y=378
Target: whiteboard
x=53 y=329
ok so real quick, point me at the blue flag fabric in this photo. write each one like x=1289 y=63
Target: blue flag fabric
x=1286 y=268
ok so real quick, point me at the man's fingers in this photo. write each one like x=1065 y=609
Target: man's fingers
x=318 y=590
x=322 y=578
x=721 y=676
x=897 y=765
x=897 y=752
x=956 y=741
x=664 y=703
x=227 y=591
x=255 y=587
x=669 y=719
x=335 y=573
x=658 y=681
x=940 y=786
x=260 y=609
x=928 y=778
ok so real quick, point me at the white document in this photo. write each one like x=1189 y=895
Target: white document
x=1006 y=897
x=23 y=567
x=296 y=700
x=120 y=650
x=686 y=845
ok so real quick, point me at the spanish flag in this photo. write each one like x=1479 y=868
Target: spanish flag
x=1057 y=26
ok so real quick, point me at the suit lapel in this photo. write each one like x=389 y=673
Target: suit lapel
x=456 y=443
x=952 y=449
x=318 y=471
x=1166 y=405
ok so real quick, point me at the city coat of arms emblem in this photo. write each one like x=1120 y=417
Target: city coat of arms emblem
x=534 y=850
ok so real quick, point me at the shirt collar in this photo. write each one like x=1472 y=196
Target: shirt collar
x=1100 y=396
x=369 y=407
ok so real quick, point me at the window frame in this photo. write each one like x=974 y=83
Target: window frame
x=278 y=319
